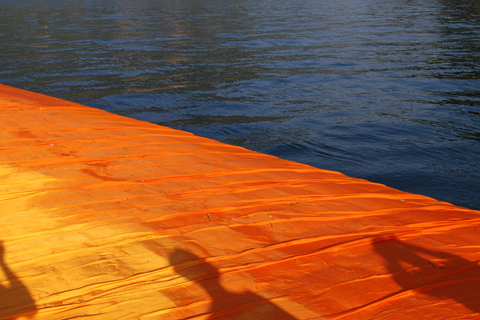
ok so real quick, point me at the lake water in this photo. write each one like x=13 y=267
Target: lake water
x=387 y=91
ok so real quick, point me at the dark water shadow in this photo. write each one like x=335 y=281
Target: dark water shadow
x=435 y=273
x=225 y=304
x=15 y=299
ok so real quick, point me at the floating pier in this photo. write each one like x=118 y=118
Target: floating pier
x=106 y=217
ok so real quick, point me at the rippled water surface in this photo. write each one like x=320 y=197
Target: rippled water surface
x=385 y=90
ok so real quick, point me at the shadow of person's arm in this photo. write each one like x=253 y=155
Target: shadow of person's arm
x=432 y=253
x=406 y=263
x=15 y=300
x=440 y=274
x=395 y=250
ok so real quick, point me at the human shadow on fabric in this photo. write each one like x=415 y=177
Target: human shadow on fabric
x=435 y=273
x=15 y=300
x=225 y=304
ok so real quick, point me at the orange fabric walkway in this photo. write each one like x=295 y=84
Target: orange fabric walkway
x=105 y=217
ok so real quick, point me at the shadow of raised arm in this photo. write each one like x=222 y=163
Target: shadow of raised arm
x=440 y=274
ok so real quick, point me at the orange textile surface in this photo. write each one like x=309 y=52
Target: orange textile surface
x=107 y=217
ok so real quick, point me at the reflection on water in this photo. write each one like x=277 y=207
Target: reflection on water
x=388 y=91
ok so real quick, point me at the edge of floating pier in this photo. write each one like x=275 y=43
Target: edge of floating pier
x=109 y=217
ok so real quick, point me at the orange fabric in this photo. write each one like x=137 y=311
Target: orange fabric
x=114 y=218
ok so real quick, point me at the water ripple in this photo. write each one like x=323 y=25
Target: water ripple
x=388 y=91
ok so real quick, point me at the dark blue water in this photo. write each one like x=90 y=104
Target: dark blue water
x=384 y=90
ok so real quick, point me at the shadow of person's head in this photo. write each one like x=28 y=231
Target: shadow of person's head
x=191 y=266
x=225 y=303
